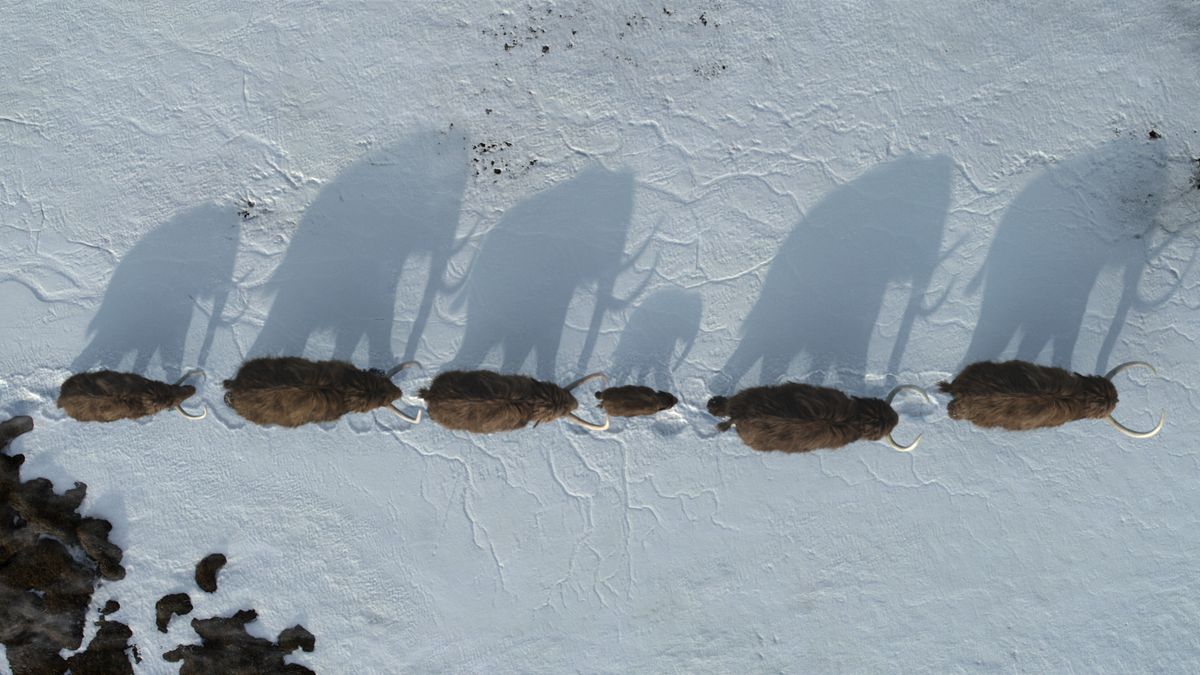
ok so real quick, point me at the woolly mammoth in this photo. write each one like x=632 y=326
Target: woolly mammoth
x=795 y=417
x=1018 y=396
x=634 y=401
x=291 y=392
x=107 y=396
x=484 y=402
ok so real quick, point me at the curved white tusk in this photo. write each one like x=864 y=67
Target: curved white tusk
x=891 y=441
x=574 y=419
x=189 y=415
x=188 y=374
x=907 y=387
x=1162 y=417
x=585 y=379
x=403 y=366
x=903 y=448
x=1126 y=366
x=406 y=418
x=186 y=377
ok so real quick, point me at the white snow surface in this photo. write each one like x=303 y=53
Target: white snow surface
x=857 y=194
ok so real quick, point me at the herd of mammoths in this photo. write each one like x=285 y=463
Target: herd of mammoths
x=790 y=417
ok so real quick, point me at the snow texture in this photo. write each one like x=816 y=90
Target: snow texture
x=698 y=196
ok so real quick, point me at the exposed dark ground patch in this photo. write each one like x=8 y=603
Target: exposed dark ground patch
x=491 y=158
x=206 y=571
x=168 y=606
x=51 y=560
x=225 y=645
x=227 y=648
x=108 y=652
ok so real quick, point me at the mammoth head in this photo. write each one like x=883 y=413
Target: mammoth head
x=718 y=406
x=666 y=400
x=1097 y=396
x=552 y=403
x=876 y=417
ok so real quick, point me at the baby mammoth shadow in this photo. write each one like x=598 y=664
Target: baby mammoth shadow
x=666 y=321
x=534 y=261
x=1056 y=241
x=824 y=291
x=147 y=308
x=344 y=262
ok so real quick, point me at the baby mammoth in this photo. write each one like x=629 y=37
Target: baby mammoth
x=1018 y=396
x=484 y=402
x=794 y=417
x=107 y=396
x=291 y=391
x=634 y=401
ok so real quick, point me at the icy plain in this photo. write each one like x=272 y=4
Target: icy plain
x=696 y=195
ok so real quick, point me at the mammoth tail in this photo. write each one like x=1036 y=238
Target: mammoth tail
x=945 y=387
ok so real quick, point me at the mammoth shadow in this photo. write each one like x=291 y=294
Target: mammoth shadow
x=665 y=322
x=1072 y=224
x=344 y=262
x=148 y=306
x=533 y=263
x=824 y=291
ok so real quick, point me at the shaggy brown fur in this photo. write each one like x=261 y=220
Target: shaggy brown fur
x=484 y=402
x=291 y=391
x=797 y=417
x=107 y=396
x=1018 y=396
x=634 y=401
x=206 y=571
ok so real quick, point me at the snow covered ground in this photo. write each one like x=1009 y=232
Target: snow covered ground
x=695 y=195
